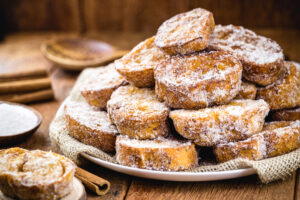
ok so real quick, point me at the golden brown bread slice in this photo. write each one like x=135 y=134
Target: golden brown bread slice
x=238 y=120
x=286 y=114
x=35 y=174
x=159 y=154
x=281 y=137
x=277 y=138
x=285 y=92
x=90 y=126
x=137 y=113
x=275 y=124
x=98 y=88
x=138 y=65
x=198 y=80
x=186 y=32
x=262 y=58
x=248 y=91
x=253 y=148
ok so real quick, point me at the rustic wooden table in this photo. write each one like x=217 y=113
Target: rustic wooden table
x=128 y=187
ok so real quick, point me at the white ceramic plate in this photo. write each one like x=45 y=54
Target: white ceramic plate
x=172 y=176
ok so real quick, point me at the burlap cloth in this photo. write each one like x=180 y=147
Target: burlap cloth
x=268 y=170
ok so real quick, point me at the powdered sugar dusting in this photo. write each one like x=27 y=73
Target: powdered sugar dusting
x=105 y=78
x=253 y=148
x=194 y=76
x=297 y=65
x=138 y=65
x=90 y=117
x=277 y=139
x=42 y=170
x=285 y=92
x=185 y=27
x=283 y=139
x=142 y=57
x=16 y=119
x=210 y=126
x=137 y=112
x=158 y=143
x=98 y=88
x=246 y=45
x=248 y=91
x=279 y=129
x=159 y=154
x=139 y=101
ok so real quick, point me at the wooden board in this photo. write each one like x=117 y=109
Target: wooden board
x=136 y=15
x=22 y=58
x=41 y=15
x=130 y=15
x=139 y=15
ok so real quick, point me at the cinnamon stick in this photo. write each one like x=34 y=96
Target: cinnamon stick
x=25 y=85
x=30 y=97
x=95 y=183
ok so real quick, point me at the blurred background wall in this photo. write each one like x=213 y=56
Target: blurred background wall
x=140 y=15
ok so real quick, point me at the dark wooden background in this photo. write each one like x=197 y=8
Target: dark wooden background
x=140 y=15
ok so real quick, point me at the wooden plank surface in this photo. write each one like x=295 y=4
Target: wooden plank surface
x=254 y=14
x=139 y=15
x=297 y=186
x=243 y=188
x=40 y=15
x=136 y=15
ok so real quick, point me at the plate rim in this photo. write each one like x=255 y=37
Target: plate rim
x=171 y=176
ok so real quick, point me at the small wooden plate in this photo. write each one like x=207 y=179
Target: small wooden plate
x=18 y=137
x=78 y=192
x=76 y=54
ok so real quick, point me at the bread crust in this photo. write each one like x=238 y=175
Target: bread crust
x=98 y=88
x=238 y=120
x=281 y=137
x=90 y=126
x=198 y=80
x=248 y=91
x=253 y=148
x=286 y=115
x=138 y=65
x=275 y=124
x=277 y=138
x=159 y=154
x=285 y=92
x=186 y=32
x=137 y=113
x=262 y=58
x=35 y=174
